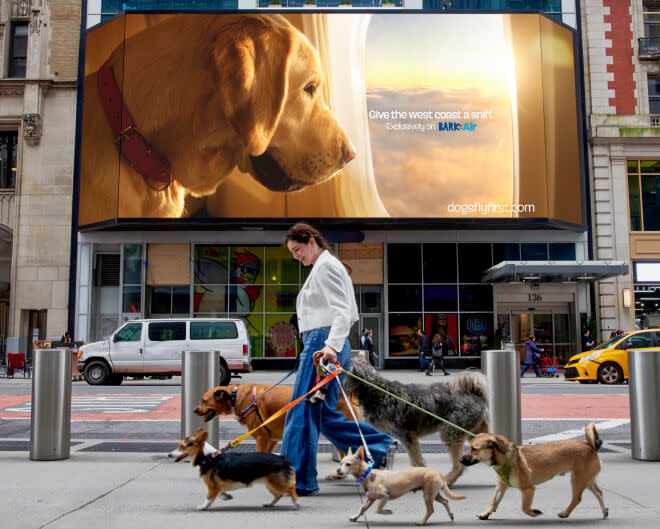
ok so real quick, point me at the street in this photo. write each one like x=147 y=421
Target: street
x=144 y=415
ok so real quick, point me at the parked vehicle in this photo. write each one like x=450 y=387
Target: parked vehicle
x=607 y=363
x=154 y=348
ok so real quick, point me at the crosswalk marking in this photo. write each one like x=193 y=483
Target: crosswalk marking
x=578 y=432
x=108 y=404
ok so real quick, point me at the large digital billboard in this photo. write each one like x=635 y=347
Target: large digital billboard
x=330 y=115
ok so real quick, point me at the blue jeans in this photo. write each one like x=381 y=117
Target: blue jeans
x=423 y=362
x=305 y=421
x=525 y=367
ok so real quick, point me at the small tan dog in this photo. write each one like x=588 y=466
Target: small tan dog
x=524 y=467
x=385 y=485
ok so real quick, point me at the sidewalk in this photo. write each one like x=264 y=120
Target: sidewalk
x=142 y=491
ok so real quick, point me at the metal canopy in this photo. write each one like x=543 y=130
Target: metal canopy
x=553 y=271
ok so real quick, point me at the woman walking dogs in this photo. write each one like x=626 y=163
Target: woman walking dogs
x=326 y=312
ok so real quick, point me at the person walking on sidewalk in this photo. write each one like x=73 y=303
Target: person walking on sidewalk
x=532 y=356
x=438 y=351
x=423 y=344
x=326 y=310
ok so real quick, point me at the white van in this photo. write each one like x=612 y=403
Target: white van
x=154 y=347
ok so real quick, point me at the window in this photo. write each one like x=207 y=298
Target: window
x=131 y=332
x=651 y=19
x=18 y=53
x=166 y=300
x=213 y=330
x=166 y=331
x=654 y=94
x=8 y=150
x=643 y=190
x=534 y=251
x=132 y=279
x=562 y=251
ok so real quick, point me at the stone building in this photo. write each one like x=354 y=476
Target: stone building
x=38 y=70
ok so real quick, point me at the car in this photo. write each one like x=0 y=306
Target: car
x=607 y=363
x=154 y=347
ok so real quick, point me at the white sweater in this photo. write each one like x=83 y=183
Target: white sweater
x=327 y=299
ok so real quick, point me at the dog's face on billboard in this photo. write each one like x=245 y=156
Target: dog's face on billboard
x=271 y=83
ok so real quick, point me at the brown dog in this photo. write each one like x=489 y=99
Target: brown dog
x=385 y=485
x=524 y=467
x=227 y=400
x=208 y=93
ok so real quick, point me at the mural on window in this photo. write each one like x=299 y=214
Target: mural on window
x=246 y=281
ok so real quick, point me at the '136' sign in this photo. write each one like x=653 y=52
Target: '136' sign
x=535 y=297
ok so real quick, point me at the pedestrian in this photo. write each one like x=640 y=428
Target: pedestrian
x=532 y=356
x=369 y=347
x=439 y=349
x=423 y=346
x=587 y=342
x=66 y=339
x=326 y=310
x=363 y=338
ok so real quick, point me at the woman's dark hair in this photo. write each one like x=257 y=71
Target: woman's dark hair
x=303 y=233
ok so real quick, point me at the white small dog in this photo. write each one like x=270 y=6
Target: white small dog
x=385 y=485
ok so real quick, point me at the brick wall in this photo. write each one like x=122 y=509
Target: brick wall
x=65 y=31
x=621 y=51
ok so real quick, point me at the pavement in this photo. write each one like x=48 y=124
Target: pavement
x=147 y=490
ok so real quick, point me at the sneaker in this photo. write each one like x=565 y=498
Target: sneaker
x=305 y=492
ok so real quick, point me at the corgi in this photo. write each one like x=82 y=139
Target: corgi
x=228 y=471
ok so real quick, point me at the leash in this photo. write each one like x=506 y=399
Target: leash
x=282 y=411
x=409 y=403
x=249 y=406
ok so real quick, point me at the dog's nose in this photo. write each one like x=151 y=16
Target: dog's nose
x=348 y=153
x=468 y=460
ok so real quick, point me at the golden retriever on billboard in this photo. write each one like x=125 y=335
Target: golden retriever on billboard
x=181 y=103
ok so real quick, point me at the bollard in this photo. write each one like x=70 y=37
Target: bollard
x=644 y=390
x=502 y=368
x=200 y=371
x=50 y=419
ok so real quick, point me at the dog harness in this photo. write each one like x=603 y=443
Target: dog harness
x=366 y=473
x=128 y=138
x=240 y=416
x=504 y=471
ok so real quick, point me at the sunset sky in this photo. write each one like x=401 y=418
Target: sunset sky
x=466 y=67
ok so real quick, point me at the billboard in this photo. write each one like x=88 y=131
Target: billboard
x=330 y=115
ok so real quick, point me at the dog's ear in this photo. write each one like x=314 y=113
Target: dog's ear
x=499 y=442
x=220 y=395
x=253 y=71
x=350 y=452
x=360 y=453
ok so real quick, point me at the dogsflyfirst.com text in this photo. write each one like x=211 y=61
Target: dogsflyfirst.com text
x=490 y=207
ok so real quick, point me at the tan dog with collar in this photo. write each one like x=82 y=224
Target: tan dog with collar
x=385 y=485
x=524 y=467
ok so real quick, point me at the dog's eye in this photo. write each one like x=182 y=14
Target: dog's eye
x=310 y=89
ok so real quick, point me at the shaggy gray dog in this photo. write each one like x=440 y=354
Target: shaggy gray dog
x=461 y=400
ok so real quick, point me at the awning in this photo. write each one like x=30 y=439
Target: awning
x=549 y=271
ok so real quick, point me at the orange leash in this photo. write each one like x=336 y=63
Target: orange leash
x=283 y=410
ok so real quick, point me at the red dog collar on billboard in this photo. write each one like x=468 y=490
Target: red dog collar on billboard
x=131 y=142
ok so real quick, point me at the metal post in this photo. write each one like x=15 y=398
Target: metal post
x=50 y=421
x=644 y=390
x=200 y=372
x=502 y=368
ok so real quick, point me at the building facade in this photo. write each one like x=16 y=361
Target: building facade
x=38 y=66
x=622 y=50
x=430 y=249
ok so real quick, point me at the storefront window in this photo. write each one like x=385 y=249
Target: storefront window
x=281 y=298
x=440 y=297
x=370 y=299
x=132 y=264
x=131 y=300
x=406 y=298
x=562 y=251
x=404 y=263
x=403 y=334
x=210 y=299
x=440 y=263
x=476 y=333
x=210 y=264
x=280 y=267
x=473 y=261
x=534 y=251
x=281 y=335
x=475 y=297
x=643 y=189
x=445 y=325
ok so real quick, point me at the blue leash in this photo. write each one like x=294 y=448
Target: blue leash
x=274 y=385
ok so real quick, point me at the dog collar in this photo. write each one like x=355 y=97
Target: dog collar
x=367 y=472
x=130 y=141
x=504 y=471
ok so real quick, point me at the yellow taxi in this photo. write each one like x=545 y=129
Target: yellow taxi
x=607 y=363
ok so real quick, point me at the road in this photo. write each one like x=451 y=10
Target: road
x=145 y=415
